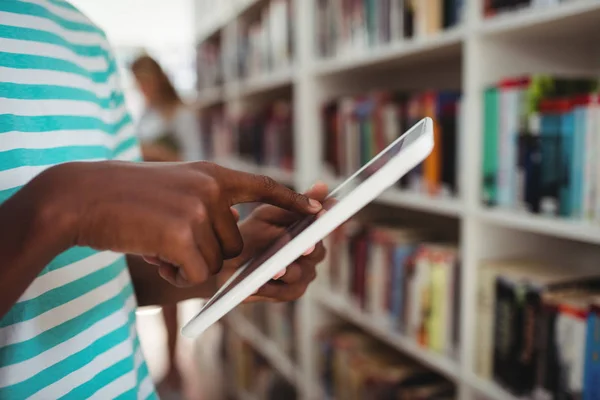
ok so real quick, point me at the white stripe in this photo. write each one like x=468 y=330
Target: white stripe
x=12 y=374
x=93 y=64
x=146 y=388
x=22 y=331
x=41 y=108
x=62 y=276
x=58 y=78
x=122 y=384
x=131 y=154
x=44 y=24
x=82 y=375
x=16 y=177
x=63 y=12
x=42 y=140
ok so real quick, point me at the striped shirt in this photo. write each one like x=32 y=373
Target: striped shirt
x=72 y=333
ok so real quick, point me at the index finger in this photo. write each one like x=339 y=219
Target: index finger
x=245 y=187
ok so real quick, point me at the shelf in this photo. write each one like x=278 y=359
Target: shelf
x=441 y=206
x=261 y=84
x=488 y=389
x=267 y=348
x=342 y=308
x=555 y=227
x=447 y=42
x=555 y=20
x=209 y=97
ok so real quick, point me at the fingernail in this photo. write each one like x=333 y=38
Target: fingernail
x=279 y=274
x=307 y=252
x=314 y=204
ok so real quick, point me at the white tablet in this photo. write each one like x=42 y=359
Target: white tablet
x=351 y=196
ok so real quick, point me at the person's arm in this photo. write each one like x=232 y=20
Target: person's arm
x=33 y=231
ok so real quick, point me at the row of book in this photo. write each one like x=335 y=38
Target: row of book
x=264 y=136
x=209 y=64
x=407 y=279
x=493 y=7
x=250 y=374
x=275 y=321
x=540 y=143
x=265 y=43
x=353 y=366
x=538 y=329
x=354 y=26
x=358 y=127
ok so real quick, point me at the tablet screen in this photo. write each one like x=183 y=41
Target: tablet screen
x=339 y=193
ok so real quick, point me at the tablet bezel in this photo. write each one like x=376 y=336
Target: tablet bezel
x=365 y=192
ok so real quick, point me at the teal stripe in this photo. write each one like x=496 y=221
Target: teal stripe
x=18 y=7
x=36 y=35
x=131 y=394
x=34 y=62
x=20 y=91
x=51 y=156
x=70 y=364
x=63 y=4
x=73 y=255
x=19 y=123
x=125 y=145
x=8 y=193
x=19 y=352
x=29 y=309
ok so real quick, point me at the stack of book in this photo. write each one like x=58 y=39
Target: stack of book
x=354 y=366
x=209 y=67
x=249 y=373
x=276 y=321
x=355 y=26
x=407 y=279
x=266 y=41
x=540 y=145
x=358 y=128
x=266 y=137
x=538 y=329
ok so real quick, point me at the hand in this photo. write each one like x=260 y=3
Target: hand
x=259 y=230
x=178 y=214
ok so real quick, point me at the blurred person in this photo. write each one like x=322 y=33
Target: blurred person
x=168 y=131
x=88 y=233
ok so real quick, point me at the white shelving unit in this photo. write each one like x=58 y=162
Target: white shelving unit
x=477 y=53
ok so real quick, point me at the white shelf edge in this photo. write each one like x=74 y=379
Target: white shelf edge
x=526 y=18
x=268 y=348
x=394 y=51
x=341 y=307
x=452 y=207
x=260 y=84
x=488 y=388
x=547 y=226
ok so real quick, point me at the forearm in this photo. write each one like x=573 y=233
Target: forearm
x=33 y=231
x=151 y=289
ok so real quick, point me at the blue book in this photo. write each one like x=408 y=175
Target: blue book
x=591 y=370
x=550 y=165
x=399 y=258
x=577 y=173
x=568 y=157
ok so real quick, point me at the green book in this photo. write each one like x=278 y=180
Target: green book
x=490 y=145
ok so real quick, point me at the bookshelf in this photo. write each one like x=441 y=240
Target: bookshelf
x=470 y=56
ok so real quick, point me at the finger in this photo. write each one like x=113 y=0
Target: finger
x=209 y=247
x=244 y=188
x=236 y=214
x=292 y=274
x=227 y=232
x=185 y=254
x=281 y=291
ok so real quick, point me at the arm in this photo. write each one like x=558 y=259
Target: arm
x=32 y=232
